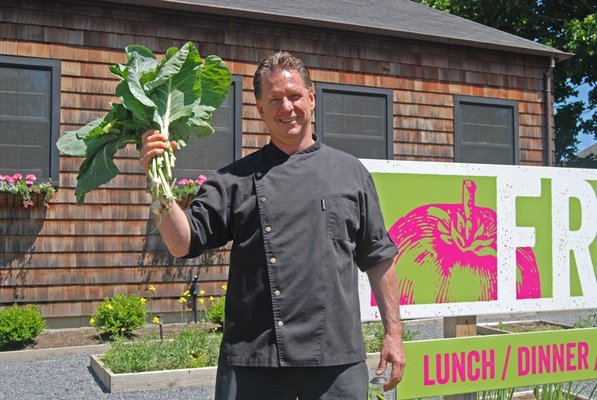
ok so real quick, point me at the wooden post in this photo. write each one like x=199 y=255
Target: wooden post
x=460 y=327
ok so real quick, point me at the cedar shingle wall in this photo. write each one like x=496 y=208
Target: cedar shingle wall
x=69 y=257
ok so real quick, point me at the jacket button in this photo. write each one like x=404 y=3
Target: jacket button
x=277 y=293
x=263 y=199
x=258 y=174
x=280 y=323
x=268 y=229
x=272 y=260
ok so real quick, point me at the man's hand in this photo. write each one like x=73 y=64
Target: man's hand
x=382 y=278
x=153 y=143
x=392 y=351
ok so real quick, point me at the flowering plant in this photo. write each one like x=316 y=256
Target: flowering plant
x=27 y=188
x=187 y=187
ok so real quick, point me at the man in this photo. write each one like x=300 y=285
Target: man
x=302 y=216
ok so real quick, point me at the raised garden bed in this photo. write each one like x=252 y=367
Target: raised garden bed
x=498 y=328
x=114 y=383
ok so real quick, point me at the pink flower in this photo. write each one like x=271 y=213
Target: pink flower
x=183 y=182
x=30 y=178
x=17 y=176
x=3 y=178
x=201 y=179
x=10 y=179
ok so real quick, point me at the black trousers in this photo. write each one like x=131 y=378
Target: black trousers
x=343 y=382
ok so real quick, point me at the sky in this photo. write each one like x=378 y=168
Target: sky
x=585 y=140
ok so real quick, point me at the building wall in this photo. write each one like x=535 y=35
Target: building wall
x=69 y=257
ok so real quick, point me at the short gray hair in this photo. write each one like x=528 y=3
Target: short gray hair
x=281 y=60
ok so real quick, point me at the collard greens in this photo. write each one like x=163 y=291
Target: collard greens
x=176 y=96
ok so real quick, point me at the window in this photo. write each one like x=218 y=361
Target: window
x=29 y=116
x=357 y=120
x=486 y=130
x=210 y=153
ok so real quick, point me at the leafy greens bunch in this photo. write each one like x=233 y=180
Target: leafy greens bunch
x=176 y=96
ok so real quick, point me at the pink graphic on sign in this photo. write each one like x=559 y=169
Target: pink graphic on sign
x=450 y=250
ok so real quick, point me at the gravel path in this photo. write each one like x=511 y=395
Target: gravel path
x=69 y=377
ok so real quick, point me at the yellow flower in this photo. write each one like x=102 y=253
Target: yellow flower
x=182 y=300
x=143 y=300
x=211 y=298
x=202 y=300
x=151 y=288
x=202 y=292
x=155 y=320
x=186 y=293
x=225 y=287
x=109 y=306
x=91 y=321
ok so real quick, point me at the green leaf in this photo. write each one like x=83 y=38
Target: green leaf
x=139 y=111
x=141 y=50
x=174 y=89
x=72 y=143
x=137 y=67
x=215 y=81
x=98 y=167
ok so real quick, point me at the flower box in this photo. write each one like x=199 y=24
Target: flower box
x=18 y=191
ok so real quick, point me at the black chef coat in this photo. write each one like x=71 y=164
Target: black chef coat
x=300 y=226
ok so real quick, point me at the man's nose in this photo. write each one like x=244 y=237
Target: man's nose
x=287 y=104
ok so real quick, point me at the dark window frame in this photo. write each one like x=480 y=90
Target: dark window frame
x=237 y=82
x=237 y=90
x=322 y=87
x=54 y=67
x=459 y=100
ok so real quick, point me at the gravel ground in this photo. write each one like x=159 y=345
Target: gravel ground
x=69 y=377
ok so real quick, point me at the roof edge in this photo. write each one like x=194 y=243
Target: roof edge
x=190 y=5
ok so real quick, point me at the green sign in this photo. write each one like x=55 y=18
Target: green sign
x=481 y=363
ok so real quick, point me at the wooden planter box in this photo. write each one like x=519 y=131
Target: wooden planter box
x=495 y=328
x=165 y=379
x=10 y=200
x=151 y=380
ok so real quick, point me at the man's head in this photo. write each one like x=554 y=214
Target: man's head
x=285 y=101
x=282 y=60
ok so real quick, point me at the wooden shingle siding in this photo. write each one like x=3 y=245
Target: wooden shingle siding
x=69 y=257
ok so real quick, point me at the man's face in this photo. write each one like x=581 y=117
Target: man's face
x=286 y=107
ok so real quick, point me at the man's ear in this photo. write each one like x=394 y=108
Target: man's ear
x=259 y=106
x=312 y=99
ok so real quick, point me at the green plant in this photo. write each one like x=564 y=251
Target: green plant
x=375 y=392
x=562 y=391
x=499 y=394
x=20 y=325
x=120 y=315
x=187 y=187
x=176 y=96
x=192 y=348
x=589 y=321
x=26 y=188
x=373 y=333
x=215 y=310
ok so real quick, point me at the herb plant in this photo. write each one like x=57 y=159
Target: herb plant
x=176 y=96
